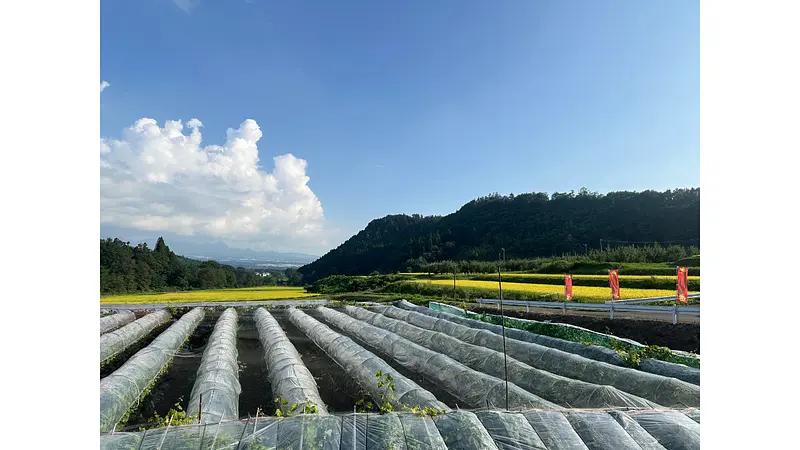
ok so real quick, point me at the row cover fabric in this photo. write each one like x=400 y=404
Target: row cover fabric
x=555 y=388
x=475 y=389
x=114 y=321
x=597 y=352
x=290 y=378
x=218 y=375
x=115 y=342
x=362 y=365
x=491 y=430
x=122 y=389
x=670 y=392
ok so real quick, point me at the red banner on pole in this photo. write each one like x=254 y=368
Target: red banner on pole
x=613 y=281
x=568 y=287
x=682 y=290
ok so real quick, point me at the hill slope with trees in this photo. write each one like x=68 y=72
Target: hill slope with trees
x=527 y=226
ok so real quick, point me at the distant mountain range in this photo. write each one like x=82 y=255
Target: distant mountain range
x=217 y=250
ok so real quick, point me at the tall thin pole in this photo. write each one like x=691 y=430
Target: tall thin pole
x=503 y=319
x=454 y=285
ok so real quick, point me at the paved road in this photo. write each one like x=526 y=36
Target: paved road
x=156 y=306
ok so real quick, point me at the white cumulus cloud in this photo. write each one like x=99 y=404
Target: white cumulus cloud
x=163 y=179
x=104 y=85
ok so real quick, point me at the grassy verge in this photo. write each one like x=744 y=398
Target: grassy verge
x=215 y=295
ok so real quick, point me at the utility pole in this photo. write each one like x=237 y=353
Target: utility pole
x=601 y=245
x=504 y=254
x=503 y=321
x=586 y=247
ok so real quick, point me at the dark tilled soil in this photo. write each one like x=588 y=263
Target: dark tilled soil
x=175 y=386
x=681 y=336
x=336 y=388
x=254 y=380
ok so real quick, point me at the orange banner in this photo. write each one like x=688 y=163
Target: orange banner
x=613 y=281
x=682 y=289
x=568 y=287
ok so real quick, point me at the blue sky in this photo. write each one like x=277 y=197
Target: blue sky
x=414 y=106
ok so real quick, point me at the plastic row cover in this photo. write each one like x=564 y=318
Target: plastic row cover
x=120 y=390
x=290 y=378
x=475 y=389
x=560 y=390
x=114 y=321
x=361 y=364
x=531 y=430
x=218 y=375
x=662 y=390
x=114 y=342
x=596 y=352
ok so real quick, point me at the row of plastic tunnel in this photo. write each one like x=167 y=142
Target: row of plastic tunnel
x=433 y=380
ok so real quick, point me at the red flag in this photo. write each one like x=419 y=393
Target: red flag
x=568 y=287
x=613 y=281
x=682 y=290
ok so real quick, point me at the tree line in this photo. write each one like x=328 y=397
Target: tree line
x=566 y=263
x=527 y=226
x=125 y=268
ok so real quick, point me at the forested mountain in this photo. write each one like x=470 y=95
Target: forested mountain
x=125 y=268
x=527 y=226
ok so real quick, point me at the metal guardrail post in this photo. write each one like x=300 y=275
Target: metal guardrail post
x=612 y=312
x=675 y=315
x=564 y=310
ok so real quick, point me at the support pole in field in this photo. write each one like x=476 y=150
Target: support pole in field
x=503 y=321
x=454 y=285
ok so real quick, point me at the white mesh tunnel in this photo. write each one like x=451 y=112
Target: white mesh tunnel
x=123 y=388
x=218 y=375
x=115 y=321
x=362 y=364
x=555 y=388
x=290 y=378
x=115 y=342
x=662 y=390
x=596 y=352
x=457 y=430
x=475 y=389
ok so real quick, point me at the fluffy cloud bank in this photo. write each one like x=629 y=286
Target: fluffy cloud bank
x=161 y=179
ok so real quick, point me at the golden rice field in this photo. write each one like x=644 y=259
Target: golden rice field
x=590 y=293
x=574 y=277
x=216 y=295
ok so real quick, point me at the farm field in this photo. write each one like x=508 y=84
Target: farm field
x=560 y=277
x=216 y=295
x=580 y=293
x=342 y=357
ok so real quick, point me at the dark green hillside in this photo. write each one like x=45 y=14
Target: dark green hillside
x=527 y=226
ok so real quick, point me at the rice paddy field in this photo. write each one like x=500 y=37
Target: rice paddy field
x=547 y=276
x=216 y=295
x=580 y=293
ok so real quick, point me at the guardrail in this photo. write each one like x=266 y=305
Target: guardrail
x=637 y=301
x=676 y=311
